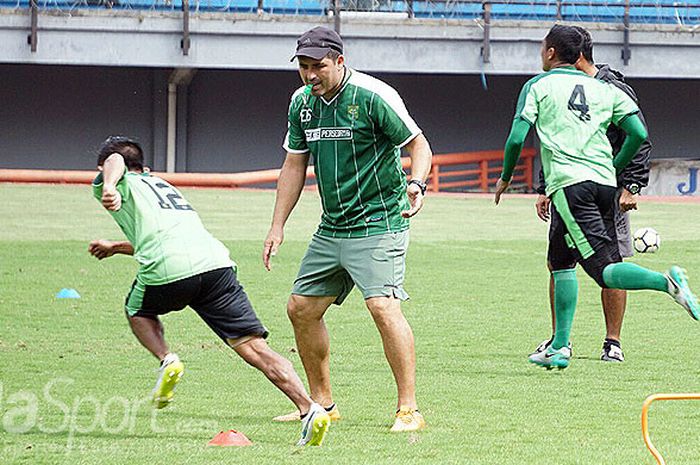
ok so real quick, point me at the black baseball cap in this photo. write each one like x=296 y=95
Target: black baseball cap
x=317 y=42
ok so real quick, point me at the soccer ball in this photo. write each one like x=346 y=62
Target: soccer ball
x=646 y=240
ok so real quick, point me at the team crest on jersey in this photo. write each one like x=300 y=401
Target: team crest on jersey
x=353 y=111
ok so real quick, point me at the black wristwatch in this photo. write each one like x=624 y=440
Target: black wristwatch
x=633 y=188
x=423 y=186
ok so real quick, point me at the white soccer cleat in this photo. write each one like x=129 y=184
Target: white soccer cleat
x=551 y=358
x=544 y=345
x=332 y=411
x=679 y=290
x=612 y=352
x=314 y=426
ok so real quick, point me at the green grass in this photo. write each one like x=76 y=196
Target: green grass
x=479 y=287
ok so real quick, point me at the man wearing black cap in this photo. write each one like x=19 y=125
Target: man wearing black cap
x=354 y=126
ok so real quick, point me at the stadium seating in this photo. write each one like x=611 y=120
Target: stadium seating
x=685 y=12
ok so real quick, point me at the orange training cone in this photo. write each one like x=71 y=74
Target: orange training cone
x=230 y=438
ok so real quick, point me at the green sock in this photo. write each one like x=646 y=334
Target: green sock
x=633 y=277
x=565 y=296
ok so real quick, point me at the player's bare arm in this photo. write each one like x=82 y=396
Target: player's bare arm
x=102 y=248
x=421 y=161
x=112 y=171
x=289 y=186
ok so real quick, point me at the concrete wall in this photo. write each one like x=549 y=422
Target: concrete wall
x=53 y=117
x=377 y=43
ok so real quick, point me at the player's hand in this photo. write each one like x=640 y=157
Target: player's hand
x=101 y=248
x=415 y=198
x=542 y=207
x=501 y=187
x=628 y=201
x=274 y=239
x=111 y=198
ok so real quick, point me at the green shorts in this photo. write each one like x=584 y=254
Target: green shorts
x=375 y=264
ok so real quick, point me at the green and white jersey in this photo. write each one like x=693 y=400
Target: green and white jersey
x=571 y=112
x=355 y=140
x=170 y=241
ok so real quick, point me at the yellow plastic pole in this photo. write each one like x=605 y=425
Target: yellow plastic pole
x=645 y=419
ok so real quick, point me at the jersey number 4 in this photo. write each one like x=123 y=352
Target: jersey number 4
x=174 y=200
x=577 y=103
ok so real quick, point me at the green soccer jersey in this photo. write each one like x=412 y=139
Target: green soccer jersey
x=571 y=112
x=170 y=242
x=355 y=140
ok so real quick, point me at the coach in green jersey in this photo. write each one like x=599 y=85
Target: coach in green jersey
x=181 y=265
x=354 y=126
x=571 y=112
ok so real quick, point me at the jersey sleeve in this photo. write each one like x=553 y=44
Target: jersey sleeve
x=122 y=187
x=389 y=113
x=295 y=139
x=526 y=107
x=623 y=105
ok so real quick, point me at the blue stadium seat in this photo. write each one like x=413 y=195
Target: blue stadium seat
x=295 y=7
x=681 y=12
x=447 y=9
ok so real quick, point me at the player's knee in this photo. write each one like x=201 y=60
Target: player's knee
x=595 y=271
x=298 y=308
x=251 y=350
x=596 y=264
x=294 y=308
x=383 y=308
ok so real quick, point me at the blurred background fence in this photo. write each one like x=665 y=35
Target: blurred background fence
x=684 y=13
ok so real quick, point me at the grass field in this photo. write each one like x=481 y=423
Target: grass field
x=73 y=380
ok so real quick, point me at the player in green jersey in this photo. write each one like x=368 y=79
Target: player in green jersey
x=354 y=126
x=630 y=181
x=571 y=112
x=182 y=264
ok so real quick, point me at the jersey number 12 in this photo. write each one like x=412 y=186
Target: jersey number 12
x=170 y=194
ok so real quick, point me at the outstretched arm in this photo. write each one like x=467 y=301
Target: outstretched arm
x=514 y=145
x=102 y=248
x=289 y=186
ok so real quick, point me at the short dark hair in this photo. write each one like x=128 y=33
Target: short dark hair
x=126 y=147
x=587 y=47
x=567 y=41
x=333 y=55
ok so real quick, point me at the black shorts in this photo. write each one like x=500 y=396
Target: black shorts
x=216 y=296
x=583 y=230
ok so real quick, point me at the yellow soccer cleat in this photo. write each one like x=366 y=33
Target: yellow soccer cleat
x=314 y=426
x=333 y=413
x=407 y=420
x=169 y=375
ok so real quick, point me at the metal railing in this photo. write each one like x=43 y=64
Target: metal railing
x=623 y=12
x=464 y=171
x=685 y=12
